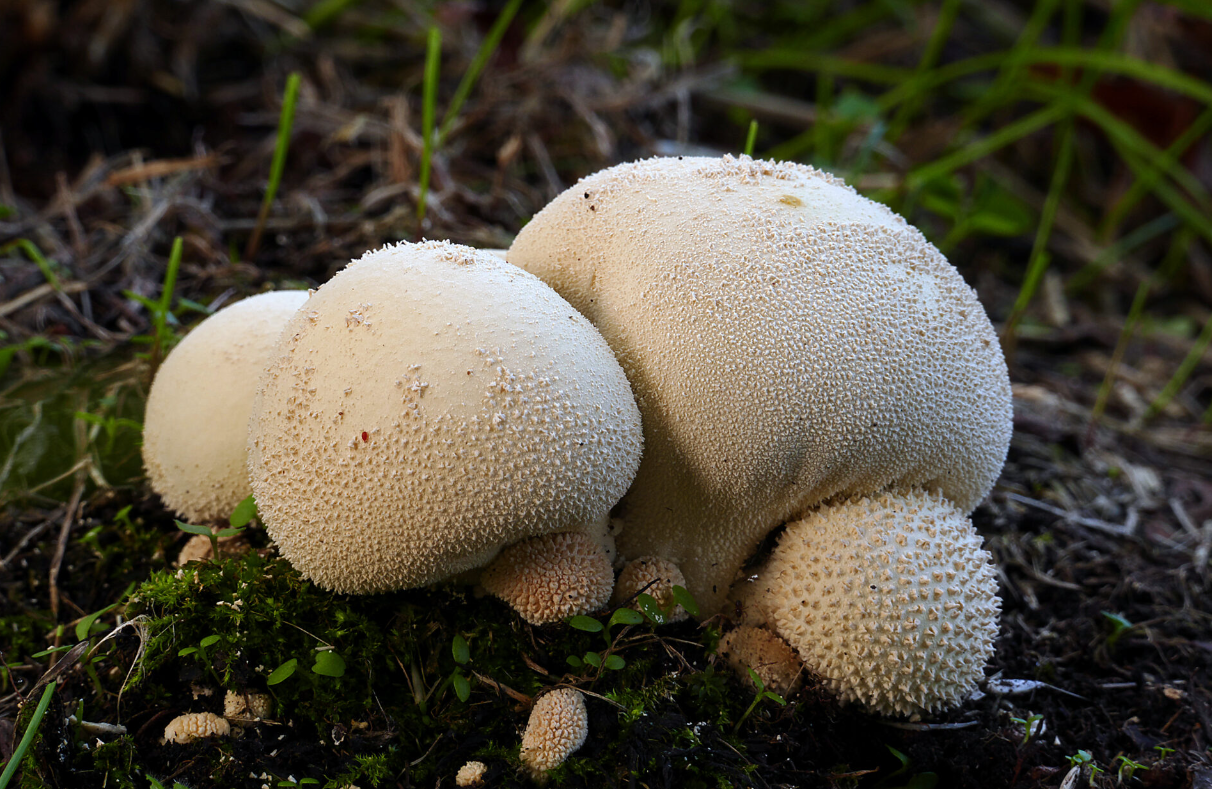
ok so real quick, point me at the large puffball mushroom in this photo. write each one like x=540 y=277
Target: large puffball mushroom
x=558 y=726
x=787 y=339
x=430 y=405
x=891 y=600
x=551 y=577
x=195 y=429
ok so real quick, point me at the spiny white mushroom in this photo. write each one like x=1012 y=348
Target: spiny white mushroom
x=247 y=706
x=770 y=657
x=787 y=340
x=193 y=726
x=551 y=577
x=195 y=429
x=558 y=726
x=655 y=576
x=471 y=774
x=431 y=405
x=890 y=600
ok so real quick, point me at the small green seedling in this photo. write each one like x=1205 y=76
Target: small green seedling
x=282 y=672
x=762 y=694
x=1127 y=768
x=462 y=655
x=202 y=655
x=1084 y=759
x=926 y=780
x=1032 y=725
x=241 y=516
x=1163 y=750
x=623 y=616
x=1119 y=626
x=751 y=138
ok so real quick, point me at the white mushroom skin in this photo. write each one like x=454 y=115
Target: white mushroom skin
x=471 y=774
x=195 y=725
x=558 y=726
x=654 y=576
x=195 y=428
x=891 y=600
x=787 y=340
x=770 y=657
x=430 y=405
x=551 y=577
x=247 y=706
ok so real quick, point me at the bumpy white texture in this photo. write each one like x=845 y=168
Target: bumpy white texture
x=551 y=577
x=787 y=340
x=771 y=658
x=558 y=725
x=247 y=706
x=471 y=774
x=430 y=405
x=195 y=725
x=195 y=428
x=890 y=599
x=655 y=576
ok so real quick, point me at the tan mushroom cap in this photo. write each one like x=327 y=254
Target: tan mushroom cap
x=551 y=577
x=890 y=599
x=655 y=576
x=247 y=706
x=471 y=774
x=771 y=658
x=787 y=340
x=429 y=406
x=195 y=429
x=558 y=726
x=195 y=725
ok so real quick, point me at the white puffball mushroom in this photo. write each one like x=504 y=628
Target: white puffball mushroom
x=430 y=405
x=551 y=577
x=195 y=428
x=771 y=658
x=654 y=576
x=194 y=726
x=247 y=706
x=471 y=774
x=891 y=600
x=558 y=726
x=788 y=341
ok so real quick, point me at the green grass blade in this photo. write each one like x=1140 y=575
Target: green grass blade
x=930 y=56
x=1183 y=372
x=751 y=138
x=485 y=52
x=165 y=302
x=433 y=61
x=326 y=11
x=1117 y=357
x=286 y=122
x=34 y=254
x=1141 y=235
x=31 y=732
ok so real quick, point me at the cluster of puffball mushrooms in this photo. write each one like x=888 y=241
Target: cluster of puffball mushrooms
x=675 y=358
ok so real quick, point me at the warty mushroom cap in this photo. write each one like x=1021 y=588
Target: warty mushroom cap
x=655 y=576
x=558 y=726
x=195 y=725
x=195 y=428
x=551 y=577
x=787 y=339
x=471 y=774
x=247 y=706
x=430 y=405
x=891 y=600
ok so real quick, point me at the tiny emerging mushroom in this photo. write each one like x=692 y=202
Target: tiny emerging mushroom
x=770 y=657
x=247 y=706
x=558 y=726
x=654 y=576
x=193 y=726
x=471 y=775
x=549 y=578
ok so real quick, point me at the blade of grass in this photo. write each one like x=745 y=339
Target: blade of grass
x=485 y=52
x=325 y=11
x=930 y=56
x=1117 y=357
x=286 y=122
x=164 y=304
x=1182 y=373
x=751 y=138
x=34 y=254
x=433 y=60
x=31 y=731
x=1141 y=235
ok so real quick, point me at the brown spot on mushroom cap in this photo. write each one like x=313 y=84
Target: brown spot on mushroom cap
x=195 y=725
x=493 y=412
x=890 y=599
x=195 y=428
x=551 y=577
x=770 y=657
x=558 y=725
x=781 y=354
x=651 y=575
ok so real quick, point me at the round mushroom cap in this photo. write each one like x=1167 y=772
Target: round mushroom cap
x=195 y=428
x=430 y=405
x=890 y=599
x=655 y=576
x=471 y=774
x=787 y=339
x=195 y=725
x=551 y=577
x=558 y=725
x=247 y=705
x=770 y=657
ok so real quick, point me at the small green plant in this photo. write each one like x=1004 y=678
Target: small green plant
x=1119 y=626
x=1032 y=725
x=202 y=656
x=462 y=655
x=1127 y=768
x=627 y=617
x=31 y=731
x=1163 y=750
x=926 y=780
x=762 y=694
x=751 y=138
x=429 y=100
x=241 y=516
x=1085 y=760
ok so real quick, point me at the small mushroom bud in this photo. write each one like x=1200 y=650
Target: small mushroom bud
x=558 y=726
x=193 y=726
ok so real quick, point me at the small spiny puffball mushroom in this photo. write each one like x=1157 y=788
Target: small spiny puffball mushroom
x=775 y=663
x=247 y=706
x=551 y=577
x=471 y=774
x=193 y=726
x=891 y=600
x=199 y=548
x=788 y=341
x=430 y=405
x=195 y=428
x=558 y=725
x=659 y=576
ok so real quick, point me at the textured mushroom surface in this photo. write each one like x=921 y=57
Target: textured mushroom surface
x=655 y=576
x=771 y=658
x=430 y=405
x=195 y=725
x=891 y=600
x=551 y=577
x=195 y=428
x=558 y=725
x=471 y=774
x=247 y=706
x=787 y=340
